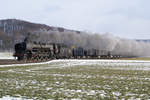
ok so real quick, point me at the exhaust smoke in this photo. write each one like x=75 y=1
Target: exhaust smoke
x=107 y=42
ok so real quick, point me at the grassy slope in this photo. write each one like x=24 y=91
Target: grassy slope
x=88 y=82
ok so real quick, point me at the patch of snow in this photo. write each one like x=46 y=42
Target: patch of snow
x=75 y=99
x=6 y=55
x=113 y=64
x=79 y=91
x=57 y=82
x=92 y=92
x=49 y=88
x=13 y=98
x=116 y=93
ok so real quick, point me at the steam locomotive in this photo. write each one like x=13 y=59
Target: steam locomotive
x=47 y=51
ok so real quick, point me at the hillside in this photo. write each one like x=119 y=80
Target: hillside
x=13 y=31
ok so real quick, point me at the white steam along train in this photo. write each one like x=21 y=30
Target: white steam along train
x=47 y=51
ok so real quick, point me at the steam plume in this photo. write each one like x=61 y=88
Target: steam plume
x=108 y=42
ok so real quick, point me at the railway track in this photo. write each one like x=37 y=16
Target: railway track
x=13 y=61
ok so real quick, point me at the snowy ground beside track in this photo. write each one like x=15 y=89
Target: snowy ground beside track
x=126 y=64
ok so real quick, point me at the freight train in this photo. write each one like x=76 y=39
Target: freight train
x=47 y=51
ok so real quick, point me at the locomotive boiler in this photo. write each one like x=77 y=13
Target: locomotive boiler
x=35 y=51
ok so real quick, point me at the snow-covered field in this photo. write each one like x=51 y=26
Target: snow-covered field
x=115 y=64
x=6 y=55
x=76 y=80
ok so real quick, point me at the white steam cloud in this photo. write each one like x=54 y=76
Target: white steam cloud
x=108 y=42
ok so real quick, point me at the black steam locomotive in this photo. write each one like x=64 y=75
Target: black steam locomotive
x=42 y=51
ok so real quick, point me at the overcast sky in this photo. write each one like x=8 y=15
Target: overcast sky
x=123 y=18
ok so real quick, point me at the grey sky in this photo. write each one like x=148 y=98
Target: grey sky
x=123 y=18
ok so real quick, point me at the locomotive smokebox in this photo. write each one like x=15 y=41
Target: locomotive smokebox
x=20 y=49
